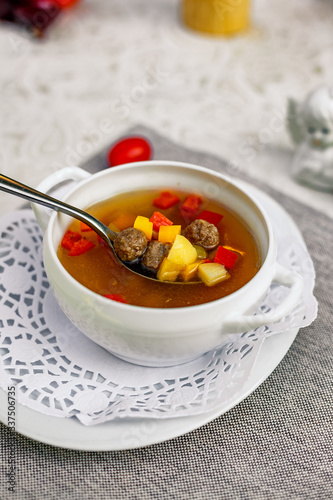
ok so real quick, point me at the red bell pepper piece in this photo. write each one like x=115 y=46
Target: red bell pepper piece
x=225 y=257
x=191 y=205
x=159 y=220
x=115 y=296
x=166 y=200
x=69 y=238
x=81 y=246
x=211 y=217
x=85 y=227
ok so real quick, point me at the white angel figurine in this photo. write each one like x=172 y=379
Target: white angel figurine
x=310 y=125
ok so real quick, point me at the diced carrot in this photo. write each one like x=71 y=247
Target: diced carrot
x=159 y=220
x=123 y=221
x=115 y=296
x=166 y=200
x=211 y=217
x=80 y=247
x=225 y=257
x=69 y=238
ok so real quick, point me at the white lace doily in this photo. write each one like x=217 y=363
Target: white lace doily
x=58 y=371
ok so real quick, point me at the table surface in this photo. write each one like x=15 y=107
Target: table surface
x=105 y=66
x=108 y=66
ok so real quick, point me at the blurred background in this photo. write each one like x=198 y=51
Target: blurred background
x=104 y=66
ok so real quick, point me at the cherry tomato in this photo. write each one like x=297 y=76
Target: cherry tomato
x=129 y=150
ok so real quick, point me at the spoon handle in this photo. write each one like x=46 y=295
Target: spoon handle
x=33 y=195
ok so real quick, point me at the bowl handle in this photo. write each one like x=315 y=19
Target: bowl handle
x=284 y=277
x=50 y=183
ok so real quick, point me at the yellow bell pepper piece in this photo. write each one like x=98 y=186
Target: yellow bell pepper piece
x=190 y=271
x=212 y=273
x=168 y=271
x=182 y=251
x=167 y=234
x=144 y=224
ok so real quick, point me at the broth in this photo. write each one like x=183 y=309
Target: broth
x=100 y=271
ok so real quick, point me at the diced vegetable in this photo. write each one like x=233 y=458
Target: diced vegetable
x=84 y=227
x=212 y=273
x=168 y=271
x=182 y=251
x=115 y=296
x=144 y=224
x=166 y=200
x=190 y=271
x=212 y=217
x=113 y=227
x=80 y=247
x=69 y=238
x=168 y=234
x=201 y=252
x=159 y=220
x=225 y=257
x=123 y=221
x=191 y=205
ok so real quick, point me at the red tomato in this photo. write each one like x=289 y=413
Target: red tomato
x=129 y=150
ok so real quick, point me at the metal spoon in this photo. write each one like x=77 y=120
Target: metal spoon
x=33 y=195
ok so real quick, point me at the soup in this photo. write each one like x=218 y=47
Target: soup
x=95 y=266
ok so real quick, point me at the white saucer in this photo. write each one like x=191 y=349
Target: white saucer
x=134 y=433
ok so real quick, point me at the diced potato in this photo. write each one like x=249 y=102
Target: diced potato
x=190 y=271
x=201 y=252
x=167 y=234
x=212 y=273
x=168 y=271
x=144 y=224
x=182 y=251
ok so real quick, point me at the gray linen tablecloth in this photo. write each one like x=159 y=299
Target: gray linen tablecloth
x=276 y=444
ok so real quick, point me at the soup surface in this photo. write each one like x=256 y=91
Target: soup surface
x=98 y=269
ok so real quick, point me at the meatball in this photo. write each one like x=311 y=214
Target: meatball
x=130 y=244
x=155 y=253
x=203 y=233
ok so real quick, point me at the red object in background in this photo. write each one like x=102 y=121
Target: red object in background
x=166 y=200
x=33 y=15
x=190 y=206
x=225 y=257
x=211 y=217
x=129 y=150
x=65 y=4
x=36 y=15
